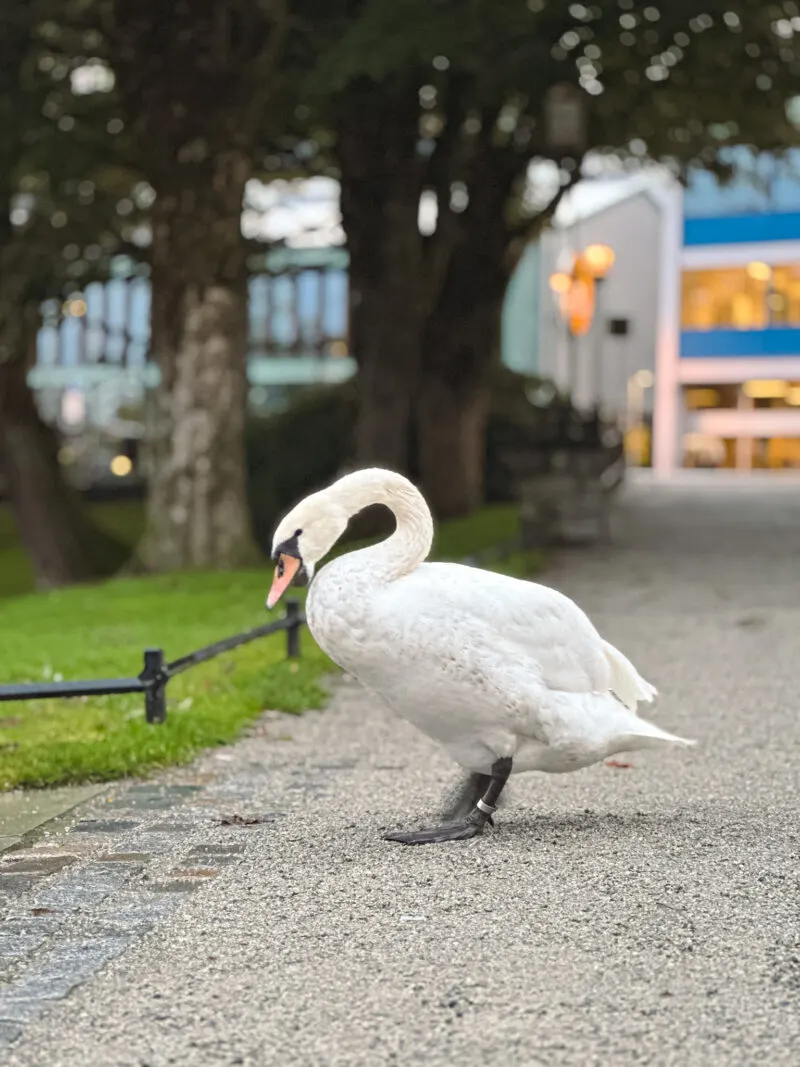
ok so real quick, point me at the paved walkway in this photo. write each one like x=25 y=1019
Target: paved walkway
x=618 y=916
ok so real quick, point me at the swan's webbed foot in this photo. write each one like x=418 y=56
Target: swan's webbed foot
x=465 y=826
x=459 y=831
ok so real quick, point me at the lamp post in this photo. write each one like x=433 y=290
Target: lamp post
x=599 y=260
x=560 y=284
x=574 y=294
x=577 y=292
x=637 y=383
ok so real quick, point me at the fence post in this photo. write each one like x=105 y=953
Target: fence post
x=155 y=678
x=292 y=629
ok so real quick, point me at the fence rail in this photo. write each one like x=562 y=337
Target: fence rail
x=156 y=672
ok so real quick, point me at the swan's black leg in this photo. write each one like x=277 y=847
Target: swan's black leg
x=465 y=794
x=463 y=797
x=474 y=823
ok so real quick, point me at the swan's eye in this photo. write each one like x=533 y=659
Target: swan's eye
x=297 y=533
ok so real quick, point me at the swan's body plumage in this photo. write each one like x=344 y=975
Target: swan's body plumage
x=485 y=664
x=489 y=666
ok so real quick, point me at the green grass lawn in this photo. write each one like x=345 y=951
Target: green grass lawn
x=101 y=631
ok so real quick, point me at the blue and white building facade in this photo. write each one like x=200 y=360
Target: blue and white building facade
x=727 y=383
x=697 y=326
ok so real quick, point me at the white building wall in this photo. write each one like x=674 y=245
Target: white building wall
x=606 y=363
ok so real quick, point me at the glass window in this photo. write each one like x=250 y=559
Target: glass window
x=784 y=300
x=699 y=397
x=732 y=297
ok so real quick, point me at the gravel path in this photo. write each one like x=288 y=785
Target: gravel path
x=641 y=915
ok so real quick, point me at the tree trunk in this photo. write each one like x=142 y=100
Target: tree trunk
x=380 y=208
x=453 y=405
x=452 y=444
x=462 y=341
x=62 y=543
x=193 y=82
x=197 y=510
x=386 y=340
x=386 y=331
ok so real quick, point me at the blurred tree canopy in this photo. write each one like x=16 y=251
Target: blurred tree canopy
x=67 y=206
x=119 y=116
x=137 y=127
x=453 y=102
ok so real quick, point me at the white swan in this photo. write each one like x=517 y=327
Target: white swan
x=507 y=675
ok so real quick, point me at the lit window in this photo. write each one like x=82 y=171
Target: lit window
x=760 y=272
x=765 y=390
x=714 y=299
x=784 y=301
x=747 y=298
x=702 y=398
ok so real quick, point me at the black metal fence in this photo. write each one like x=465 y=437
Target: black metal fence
x=156 y=673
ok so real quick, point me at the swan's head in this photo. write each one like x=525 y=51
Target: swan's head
x=302 y=538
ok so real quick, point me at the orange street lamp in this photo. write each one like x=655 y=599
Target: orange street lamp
x=581 y=298
x=599 y=259
x=560 y=282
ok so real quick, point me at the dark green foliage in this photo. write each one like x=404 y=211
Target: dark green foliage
x=296 y=451
x=305 y=447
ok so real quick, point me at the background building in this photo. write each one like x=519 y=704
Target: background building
x=738 y=358
x=697 y=323
x=692 y=338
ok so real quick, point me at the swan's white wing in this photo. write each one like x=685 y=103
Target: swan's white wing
x=447 y=607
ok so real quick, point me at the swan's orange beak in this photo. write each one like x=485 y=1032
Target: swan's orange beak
x=285 y=570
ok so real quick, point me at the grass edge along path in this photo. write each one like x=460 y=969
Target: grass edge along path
x=101 y=631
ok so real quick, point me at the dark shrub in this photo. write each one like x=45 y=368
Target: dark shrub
x=306 y=446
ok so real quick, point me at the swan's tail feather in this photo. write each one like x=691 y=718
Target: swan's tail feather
x=648 y=735
x=626 y=682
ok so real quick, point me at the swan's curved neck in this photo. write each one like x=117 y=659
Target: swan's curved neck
x=411 y=541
